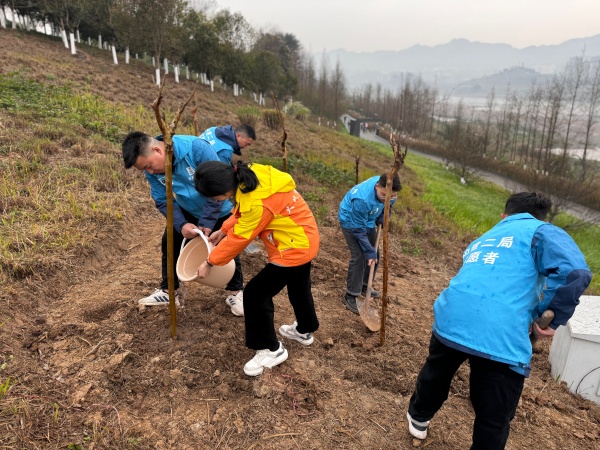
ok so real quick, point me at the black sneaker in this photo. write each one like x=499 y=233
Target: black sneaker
x=374 y=293
x=350 y=303
x=417 y=429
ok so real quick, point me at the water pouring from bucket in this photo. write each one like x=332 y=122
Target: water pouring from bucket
x=195 y=253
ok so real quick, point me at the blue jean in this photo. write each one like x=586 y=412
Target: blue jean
x=358 y=269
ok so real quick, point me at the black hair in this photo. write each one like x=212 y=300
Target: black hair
x=134 y=145
x=246 y=130
x=534 y=203
x=396 y=185
x=214 y=178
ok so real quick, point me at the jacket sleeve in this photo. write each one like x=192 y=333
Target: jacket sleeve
x=379 y=220
x=559 y=259
x=240 y=232
x=360 y=215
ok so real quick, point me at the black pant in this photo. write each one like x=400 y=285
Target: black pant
x=494 y=391
x=237 y=281
x=259 y=308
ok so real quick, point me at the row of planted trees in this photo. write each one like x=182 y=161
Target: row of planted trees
x=192 y=33
x=542 y=138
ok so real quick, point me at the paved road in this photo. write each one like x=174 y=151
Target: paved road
x=576 y=210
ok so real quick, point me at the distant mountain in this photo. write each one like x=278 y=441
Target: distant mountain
x=449 y=65
x=518 y=79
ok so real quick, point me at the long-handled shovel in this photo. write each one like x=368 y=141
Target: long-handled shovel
x=368 y=313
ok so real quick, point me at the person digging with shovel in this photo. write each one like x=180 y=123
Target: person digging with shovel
x=361 y=210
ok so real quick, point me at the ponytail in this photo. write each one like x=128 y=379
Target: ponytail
x=246 y=178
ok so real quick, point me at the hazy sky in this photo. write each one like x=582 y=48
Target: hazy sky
x=370 y=25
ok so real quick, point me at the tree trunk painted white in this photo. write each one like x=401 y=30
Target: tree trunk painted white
x=187 y=73
x=127 y=55
x=136 y=56
x=100 y=41
x=176 y=72
x=153 y=61
x=114 y=53
x=2 y=18
x=235 y=90
x=255 y=98
x=166 y=65
x=78 y=36
x=72 y=39
x=28 y=23
x=63 y=35
x=212 y=86
x=106 y=47
x=89 y=41
x=13 y=19
x=158 y=76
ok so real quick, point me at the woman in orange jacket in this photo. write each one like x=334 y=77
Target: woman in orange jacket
x=266 y=205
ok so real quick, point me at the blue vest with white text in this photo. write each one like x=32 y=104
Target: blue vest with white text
x=183 y=170
x=364 y=191
x=489 y=305
x=224 y=150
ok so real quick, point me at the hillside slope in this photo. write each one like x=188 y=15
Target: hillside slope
x=88 y=369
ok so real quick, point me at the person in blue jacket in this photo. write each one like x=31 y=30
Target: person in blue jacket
x=520 y=268
x=190 y=209
x=360 y=211
x=226 y=141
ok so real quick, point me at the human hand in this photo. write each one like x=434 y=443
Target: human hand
x=187 y=231
x=541 y=332
x=206 y=231
x=203 y=270
x=370 y=262
x=216 y=237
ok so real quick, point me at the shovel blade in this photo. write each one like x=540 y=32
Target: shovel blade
x=368 y=314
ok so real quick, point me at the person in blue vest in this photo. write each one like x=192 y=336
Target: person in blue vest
x=520 y=268
x=226 y=141
x=360 y=211
x=190 y=209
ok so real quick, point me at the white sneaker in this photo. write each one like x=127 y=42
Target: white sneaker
x=290 y=332
x=158 y=297
x=236 y=302
x=417 y=429
x=265 y=358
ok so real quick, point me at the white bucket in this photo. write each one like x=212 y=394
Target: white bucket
x=194 y=254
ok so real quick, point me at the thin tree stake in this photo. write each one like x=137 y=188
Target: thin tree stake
x=357 y=161
x=168 y=132
x=398 y=162
x=194 y=117
x=284 y=134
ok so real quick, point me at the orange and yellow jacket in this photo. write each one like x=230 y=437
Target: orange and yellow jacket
x=277 y=213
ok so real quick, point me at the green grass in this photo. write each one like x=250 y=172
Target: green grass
x=476 y=207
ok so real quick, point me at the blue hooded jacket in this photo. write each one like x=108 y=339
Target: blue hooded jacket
x=223 y=141
x=188 y=153
x=489 y=305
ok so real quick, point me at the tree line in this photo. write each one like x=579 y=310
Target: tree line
x=216 y=43
x=543 y=138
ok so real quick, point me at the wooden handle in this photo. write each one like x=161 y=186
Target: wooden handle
x=545 y=319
